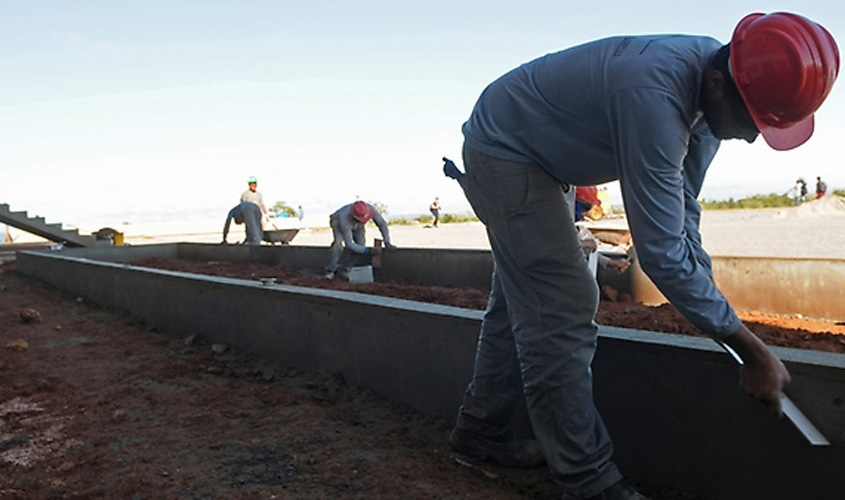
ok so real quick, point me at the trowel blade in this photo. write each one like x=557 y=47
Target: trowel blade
x=792 y=412
x=802 y=423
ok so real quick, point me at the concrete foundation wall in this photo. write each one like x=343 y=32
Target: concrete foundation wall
x=671 y=402
x=814 y=288
x=810 y=287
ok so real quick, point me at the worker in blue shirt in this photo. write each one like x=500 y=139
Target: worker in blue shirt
x=650 y=112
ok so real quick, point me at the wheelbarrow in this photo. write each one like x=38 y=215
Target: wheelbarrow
x=281 y=236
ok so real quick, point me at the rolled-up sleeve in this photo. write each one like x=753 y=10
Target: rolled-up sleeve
x=378 y=219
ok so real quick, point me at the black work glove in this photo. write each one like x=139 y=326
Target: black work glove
x=451 y=170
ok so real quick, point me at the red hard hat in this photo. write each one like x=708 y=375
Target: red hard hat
x=361 y=211
x=784 y=66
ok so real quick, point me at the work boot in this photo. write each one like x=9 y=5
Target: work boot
x=504 y=450
x=621 y=490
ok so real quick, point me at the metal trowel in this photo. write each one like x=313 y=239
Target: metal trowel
x=810 y=432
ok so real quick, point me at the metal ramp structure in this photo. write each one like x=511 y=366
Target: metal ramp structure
x=53 y=231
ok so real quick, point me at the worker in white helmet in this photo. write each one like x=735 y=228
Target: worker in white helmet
x=650 y=112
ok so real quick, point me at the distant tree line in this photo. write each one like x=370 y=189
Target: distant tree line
x=281 y=207
x=771 y=200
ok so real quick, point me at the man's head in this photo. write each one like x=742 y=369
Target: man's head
x=782 y=67
x=361 y=211
x=253 y=183
x=724 y=109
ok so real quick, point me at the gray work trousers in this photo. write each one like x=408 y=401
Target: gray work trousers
x=252 y=218
x=341 y=257
x=537 y=336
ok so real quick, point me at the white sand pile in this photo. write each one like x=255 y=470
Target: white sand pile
x=824 y=207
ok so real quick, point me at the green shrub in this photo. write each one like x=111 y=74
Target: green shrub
x=281 y=207
x=429 y=219
x=447 y=218
x=771 y=200
x=399 y=222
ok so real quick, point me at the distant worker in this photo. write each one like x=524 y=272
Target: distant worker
x=253 y=195
x=247 y=213
x=347 y=225
x=604 y=200
x=651 y=112
x=821 y=187
x=800 y=192
x=596 y=259
x=587 y=203
x=434 y=208
x=300 y=213
x=589 y=243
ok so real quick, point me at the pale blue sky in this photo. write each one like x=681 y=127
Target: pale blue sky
x=119 y=110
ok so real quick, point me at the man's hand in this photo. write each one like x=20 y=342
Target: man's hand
x=762 y=376
x=589 y=244
x=619 y=265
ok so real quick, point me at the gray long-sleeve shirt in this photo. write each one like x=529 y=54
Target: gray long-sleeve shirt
x=344 y=222
x=246 y=213
x=623 y=108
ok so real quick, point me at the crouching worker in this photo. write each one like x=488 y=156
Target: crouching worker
x=347 y=225
x=247 y=213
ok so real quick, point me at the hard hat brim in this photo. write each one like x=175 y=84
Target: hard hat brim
x=784 y=139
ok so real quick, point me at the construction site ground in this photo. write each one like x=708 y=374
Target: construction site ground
x=96 y=404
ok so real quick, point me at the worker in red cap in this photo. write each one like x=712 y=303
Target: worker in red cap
x=347 y=225
x=650 y=112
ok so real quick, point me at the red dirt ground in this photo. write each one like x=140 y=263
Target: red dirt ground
x=94 y=404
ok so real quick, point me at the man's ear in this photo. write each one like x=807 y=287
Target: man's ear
x=715 y=84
